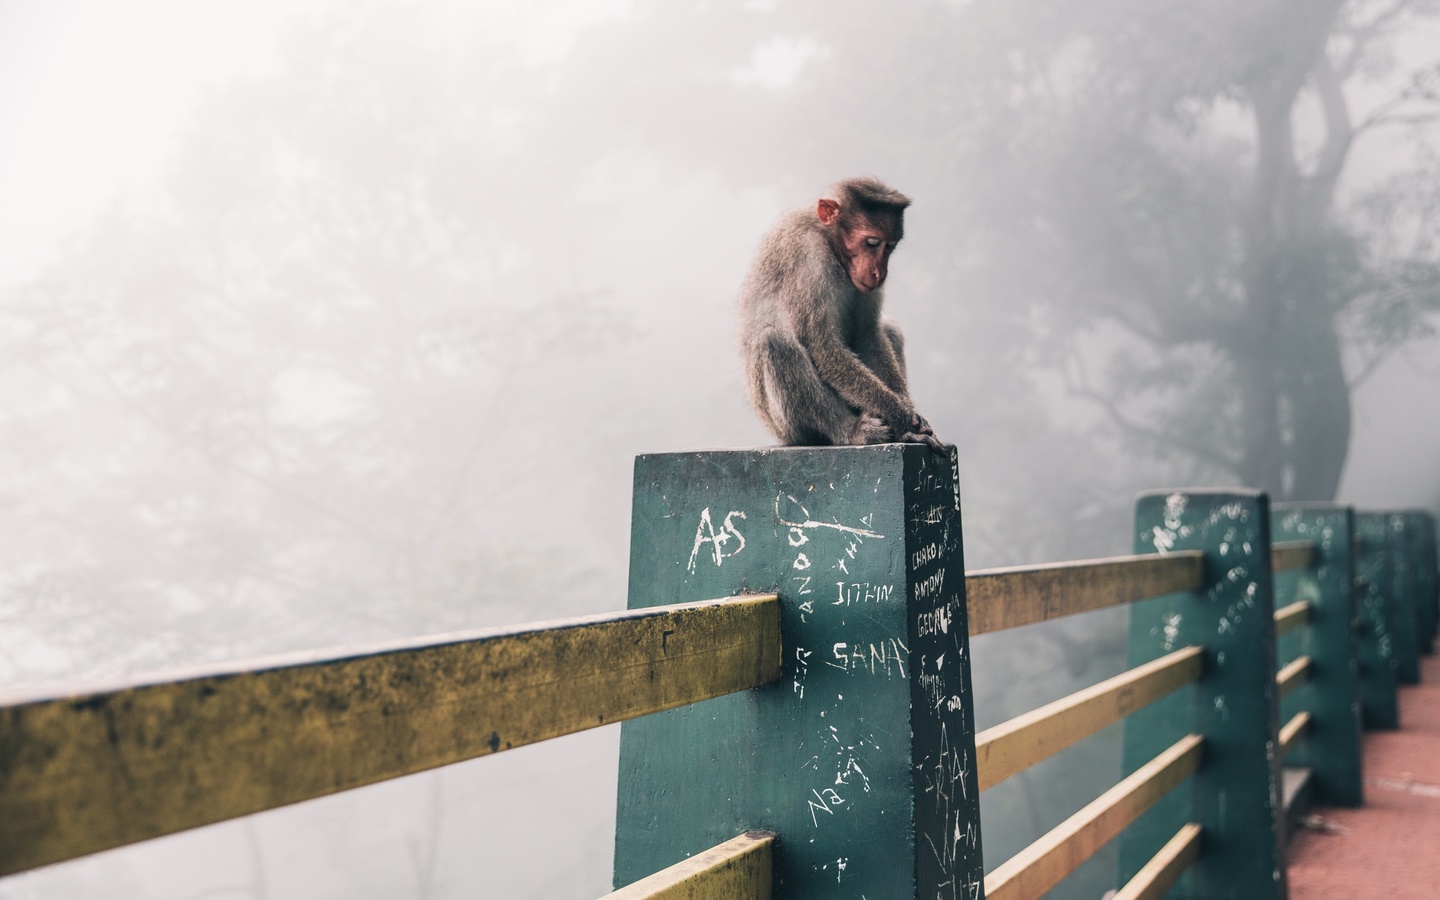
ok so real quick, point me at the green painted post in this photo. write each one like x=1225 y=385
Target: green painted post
x=1404 y=623
x=1420 y=529
x=1332 y=746
x=1379 y=676
x=862 y=758
x=1235 y=795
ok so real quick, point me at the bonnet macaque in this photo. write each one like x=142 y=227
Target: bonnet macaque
x=822 y=366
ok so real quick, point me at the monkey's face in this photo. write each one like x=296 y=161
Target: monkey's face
x=862 y=243
x=866 y=249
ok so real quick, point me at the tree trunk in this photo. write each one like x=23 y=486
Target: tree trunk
x=1320 y=406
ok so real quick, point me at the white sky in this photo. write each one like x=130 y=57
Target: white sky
x=93 y=92
x=91 y=95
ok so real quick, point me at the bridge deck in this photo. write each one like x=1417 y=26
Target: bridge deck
x=1390 y=847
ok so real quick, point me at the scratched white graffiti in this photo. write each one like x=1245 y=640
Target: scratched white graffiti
x=824 y=801
x=861 y=592
x=955 y=477
x=802 y=666
x=930 y=586
x=935 y=621
x=951 y=767
x=888 y=657
x=806 y=522
x=928 y=553
x=705 y=533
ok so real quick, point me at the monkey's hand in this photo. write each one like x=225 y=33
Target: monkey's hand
x=870 y=430
x=920 y=432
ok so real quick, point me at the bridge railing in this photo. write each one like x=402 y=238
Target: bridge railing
x=90 y=769
x=816 y=727
x=1005 y=598
x=1316 y=630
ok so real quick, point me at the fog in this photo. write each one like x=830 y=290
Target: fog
x=330 y=322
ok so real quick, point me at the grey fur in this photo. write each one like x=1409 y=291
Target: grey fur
x=822 y=365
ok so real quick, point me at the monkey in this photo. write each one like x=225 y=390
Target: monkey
x=822 y=366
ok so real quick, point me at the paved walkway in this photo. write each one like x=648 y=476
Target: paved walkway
x=1389 y=848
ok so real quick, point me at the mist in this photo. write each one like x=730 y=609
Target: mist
x=325 y=323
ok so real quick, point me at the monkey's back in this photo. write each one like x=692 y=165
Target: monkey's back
x=793 y=268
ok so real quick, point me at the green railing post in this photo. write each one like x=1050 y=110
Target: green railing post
x=1379 y=704
x=862 y=757
x=1404 y=623
x=1420 y=532
x=1235 y=796
x=1331 y=748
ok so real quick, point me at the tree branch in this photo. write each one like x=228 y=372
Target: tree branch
x=1112 y=409
x=1361 y=35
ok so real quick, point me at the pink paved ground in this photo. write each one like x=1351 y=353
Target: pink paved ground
x=1390 y=848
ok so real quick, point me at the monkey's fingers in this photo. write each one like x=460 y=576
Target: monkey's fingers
x=927 y=438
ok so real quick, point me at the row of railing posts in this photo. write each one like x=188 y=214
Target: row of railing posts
x=814 y=734
x=863 y=760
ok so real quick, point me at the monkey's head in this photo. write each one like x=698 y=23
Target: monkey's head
x=864 y=221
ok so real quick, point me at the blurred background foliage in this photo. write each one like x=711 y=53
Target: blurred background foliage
x=371 y=356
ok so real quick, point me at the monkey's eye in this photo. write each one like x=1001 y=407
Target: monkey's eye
x=872 y=243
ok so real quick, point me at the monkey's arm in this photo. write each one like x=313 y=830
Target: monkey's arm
x=882 y=349
x=818 y=329
x=885 y=354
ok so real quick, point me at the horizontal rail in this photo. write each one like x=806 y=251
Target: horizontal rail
x=1007 y=598
x=1287 y=555
x=1020 y=743
x=1292 y=731
x=1292 y=675
x=740 y=867
x=1165 y=867
x=1043 y=864
x=1290 y=617
x=91 y=771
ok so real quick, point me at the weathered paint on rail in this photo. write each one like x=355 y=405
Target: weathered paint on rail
x=1016 y=745
x=1010 y=597
x=1042 y=865
x=1292 y=731
x=1166 y=867
x=1291 y=617
x=1294 y=674
x=742 y=868
x=1289 y=555
x=90 y=771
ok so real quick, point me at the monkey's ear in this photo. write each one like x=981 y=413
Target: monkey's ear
x=827 y=211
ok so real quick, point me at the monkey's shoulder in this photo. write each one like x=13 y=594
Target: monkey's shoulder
x=794 y=261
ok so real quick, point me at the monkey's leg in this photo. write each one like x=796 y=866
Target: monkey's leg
x=886 y=357
x=800 y=408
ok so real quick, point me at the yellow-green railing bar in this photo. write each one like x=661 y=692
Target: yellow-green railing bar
x=1288 y=618
x=1043 y=864
x=997 y=599
x=1292 y=731
x=1287 y=555
x=87 y=771
x=1021 y=742
x=1292 y=676
x=741 y=868
x=1165 y=867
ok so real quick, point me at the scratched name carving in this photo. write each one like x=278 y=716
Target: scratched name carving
x=705 y=533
